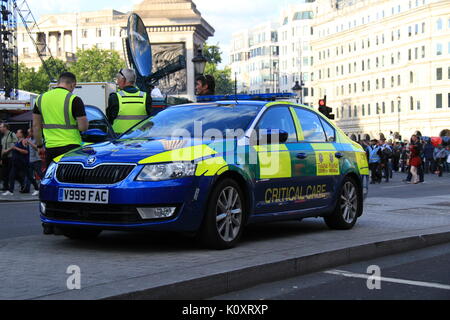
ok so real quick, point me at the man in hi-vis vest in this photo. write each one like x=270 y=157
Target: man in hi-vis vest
x=59 y=116
x=129 y=105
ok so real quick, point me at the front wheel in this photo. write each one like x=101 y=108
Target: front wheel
x=348 y=208
x=224 y=221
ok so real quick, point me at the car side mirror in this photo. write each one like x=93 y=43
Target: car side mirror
x=272 y=136
x=94 y=136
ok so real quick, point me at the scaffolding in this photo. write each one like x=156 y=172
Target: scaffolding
x=9 y=68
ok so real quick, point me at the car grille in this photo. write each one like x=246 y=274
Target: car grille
x=92 y=213
x=103 y=174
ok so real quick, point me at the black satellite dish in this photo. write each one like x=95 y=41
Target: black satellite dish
x=139 y=53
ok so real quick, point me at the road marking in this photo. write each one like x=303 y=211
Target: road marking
x=392 y=280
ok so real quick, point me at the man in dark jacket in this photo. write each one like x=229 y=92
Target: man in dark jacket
x=429 y=159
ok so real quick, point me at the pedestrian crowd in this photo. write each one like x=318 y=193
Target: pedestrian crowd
x=20 y=161
x=415 y=158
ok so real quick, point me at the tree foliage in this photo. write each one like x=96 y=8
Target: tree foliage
x=38 y=81
x=224 y=83
x=97 y=65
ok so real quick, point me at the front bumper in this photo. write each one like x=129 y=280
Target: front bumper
x=188 y=195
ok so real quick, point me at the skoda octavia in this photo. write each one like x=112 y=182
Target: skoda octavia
x=209 y=169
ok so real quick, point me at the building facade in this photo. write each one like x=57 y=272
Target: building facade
x=271 y=57
x=173 y=25
x=254 y=59
x=384 y=65
x=296 y=55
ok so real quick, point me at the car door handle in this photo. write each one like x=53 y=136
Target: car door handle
x=302 y=156
x=339 y=155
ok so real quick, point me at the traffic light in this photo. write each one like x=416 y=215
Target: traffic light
x=325 y=110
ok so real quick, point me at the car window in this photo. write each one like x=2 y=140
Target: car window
x=196 y=121
x=278 y=118
x=311 y=125
x=329 y=131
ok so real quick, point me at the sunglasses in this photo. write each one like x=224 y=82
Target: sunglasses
x=121 y=73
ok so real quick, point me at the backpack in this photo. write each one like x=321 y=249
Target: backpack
x=387 y=153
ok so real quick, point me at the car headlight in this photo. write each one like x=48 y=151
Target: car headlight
x=50 y=171
x=167 y=171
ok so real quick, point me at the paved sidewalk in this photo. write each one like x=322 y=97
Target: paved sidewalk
x=19 y=197
x=142 y=266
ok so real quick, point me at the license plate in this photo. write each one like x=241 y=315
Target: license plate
x=84 y=196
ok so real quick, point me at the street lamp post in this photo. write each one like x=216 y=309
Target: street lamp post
x=298 y=89
x=399 y=109
x=199 y=63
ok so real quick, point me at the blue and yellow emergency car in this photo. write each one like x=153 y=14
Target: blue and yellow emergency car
x=211 y=169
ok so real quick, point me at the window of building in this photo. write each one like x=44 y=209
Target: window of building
x=399 y=80
x=411 y=103
x=439 y=74
x=98 y=32
x=423 y=27
x=416 y=29
x=418 y=105
x=392 y=82
x=439 y=24
x=423 y=51
x=368 y=85
x=411 y=77
x=409 y=31
x=439 y=49
x=383 y=83
x=363 y=110
x=409 y=54
x=416 y=53
x=378 y=108
x=392 y=107
x=368 y=109
x=84 y=33
x=439 y=101
x=384 y=107
x=349 y=111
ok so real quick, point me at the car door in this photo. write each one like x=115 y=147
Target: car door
x=98 y=120
x=275 y=188
x=322 y=166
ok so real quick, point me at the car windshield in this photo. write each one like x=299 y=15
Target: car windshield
x=196 y=121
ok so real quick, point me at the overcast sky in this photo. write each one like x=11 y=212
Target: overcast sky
x=225 y=16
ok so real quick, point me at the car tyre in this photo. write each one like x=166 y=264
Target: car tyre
x=80 y=234
x=348 y=208
x=225 y=216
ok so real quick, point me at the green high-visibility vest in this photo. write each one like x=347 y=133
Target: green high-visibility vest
x=132 y=110
x=60 y=128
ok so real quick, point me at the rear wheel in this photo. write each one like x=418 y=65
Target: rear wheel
x=224 y=221
x=348 y=208
x=80 y=234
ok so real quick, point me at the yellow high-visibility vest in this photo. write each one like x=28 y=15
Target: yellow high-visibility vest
x=60 y=128
x=132 y=110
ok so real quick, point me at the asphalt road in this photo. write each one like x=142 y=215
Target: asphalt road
x=22 y=218
x=417 y=275
x=19 y=219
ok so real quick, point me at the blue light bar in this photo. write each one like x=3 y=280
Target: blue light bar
x=247 y=97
